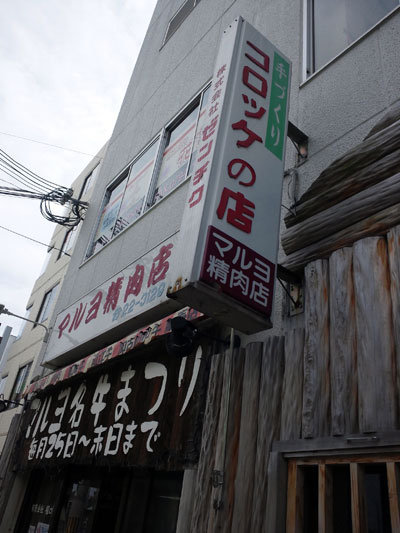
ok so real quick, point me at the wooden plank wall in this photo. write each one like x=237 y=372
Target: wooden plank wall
x=339 y=375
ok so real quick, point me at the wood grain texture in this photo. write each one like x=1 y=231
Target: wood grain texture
x=7 y=462
x=202 y=494
x=295 y=500
x=275 y=514
x=325 y=499
x=221 y=520
x=392 y=470
x=269 y=420
x=375 y=344
x=358 y=515
x=292 y=390
x=345 y=213
x=244 y=483
x=186 y=501
x=393 y=239
x=361 y=167
x=376 y=224
x=393 y=115
x=316 y=388
x=343 y=343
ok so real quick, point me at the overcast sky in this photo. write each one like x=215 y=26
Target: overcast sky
x=65 y=67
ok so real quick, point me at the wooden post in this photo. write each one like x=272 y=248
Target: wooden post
x=275 y=515
x=375 y=344
x=392 y=471
x=394 y=266
x=202 y=495
x=358 y=515
x=316 y=391
x=295 y=501
x=269 y=419
x=343 y=345
x=292 y=393
x=325 y=503
x=242 y=509
x=186 y=501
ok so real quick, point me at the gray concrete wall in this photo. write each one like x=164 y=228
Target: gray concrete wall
x=336 y=107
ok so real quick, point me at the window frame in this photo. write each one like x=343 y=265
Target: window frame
x=168 y=34
x=16 y=396
x=39 y=319
x=68 y=236
x=308 y=39
x=161 y=142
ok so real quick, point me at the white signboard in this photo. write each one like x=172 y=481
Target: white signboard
x=230 y=229
x=133 y=291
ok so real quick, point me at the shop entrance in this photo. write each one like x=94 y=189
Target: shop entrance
x=97 y=500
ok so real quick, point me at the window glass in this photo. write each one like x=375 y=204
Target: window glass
x=45 y=308
x=23 y=322
x=89 y=181
x=176 y=156
x=3 y=384
x=20 y=384
x=47 y=260
x=202 y=122
x=337 y=24
x=109 y=216
x=132 y=204
x=69 y=241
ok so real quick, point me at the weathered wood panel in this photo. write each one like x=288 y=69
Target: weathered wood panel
x=325 y=499
x=359 y=168
x=202 y=497
x=292 y=391
x=375 y=345
x=269 y=418
x=358 y=515
x=343 y=343
x=223 y=520
x=316 y=388
x=295 y=501
x=394 y=266
x=392 y=470
x=275 y=515
x=7 y=459
x=393 y=115
x=186 y=501
x=242 y=508
x=377 y=224
x=362 y=205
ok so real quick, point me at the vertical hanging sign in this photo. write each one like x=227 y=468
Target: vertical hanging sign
x=229 y=235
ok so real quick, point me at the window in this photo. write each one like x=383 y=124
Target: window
x=20 y=384
x=3 y=384
x=68 y=242
x=23 y=322
x=183 y=12
x=47 y=259
x=47 y=302
x=333 y=26
x=343 y=494
x=89 y=181
x=145 y=182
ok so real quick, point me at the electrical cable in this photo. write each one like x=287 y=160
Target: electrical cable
x=34 y=240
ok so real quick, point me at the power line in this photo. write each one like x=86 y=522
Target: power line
x=48 y=144
x=34 y=240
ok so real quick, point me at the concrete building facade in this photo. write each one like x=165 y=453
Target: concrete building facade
x=296 y=430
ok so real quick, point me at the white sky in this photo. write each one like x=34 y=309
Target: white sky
x=65 y=67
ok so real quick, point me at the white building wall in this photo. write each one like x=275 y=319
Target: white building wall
x=335 y=107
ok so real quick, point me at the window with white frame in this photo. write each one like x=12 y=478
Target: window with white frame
x=46 y=306
x=68 y=242
x=23 y=322
x=89 y=181
x=144 y=182
x=3 y=384
x=334 y=25
x=20 y=384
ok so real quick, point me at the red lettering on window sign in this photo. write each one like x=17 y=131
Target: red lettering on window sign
x=235 y=169
x=216 y=95
x=265 y=58
x=209 y=130
x=196 y=196
x=207 y=148
x=251 y=135
x=213 y=109
x=257 y=114
x=243 y=213
x=95 y=303
x=112 y=295
x=262 y=90
x=160 y=265
x=198 y=175
x=135 y=282
x=221 y=70
x=219 y=83
x=79 y=313
x=63 y=325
